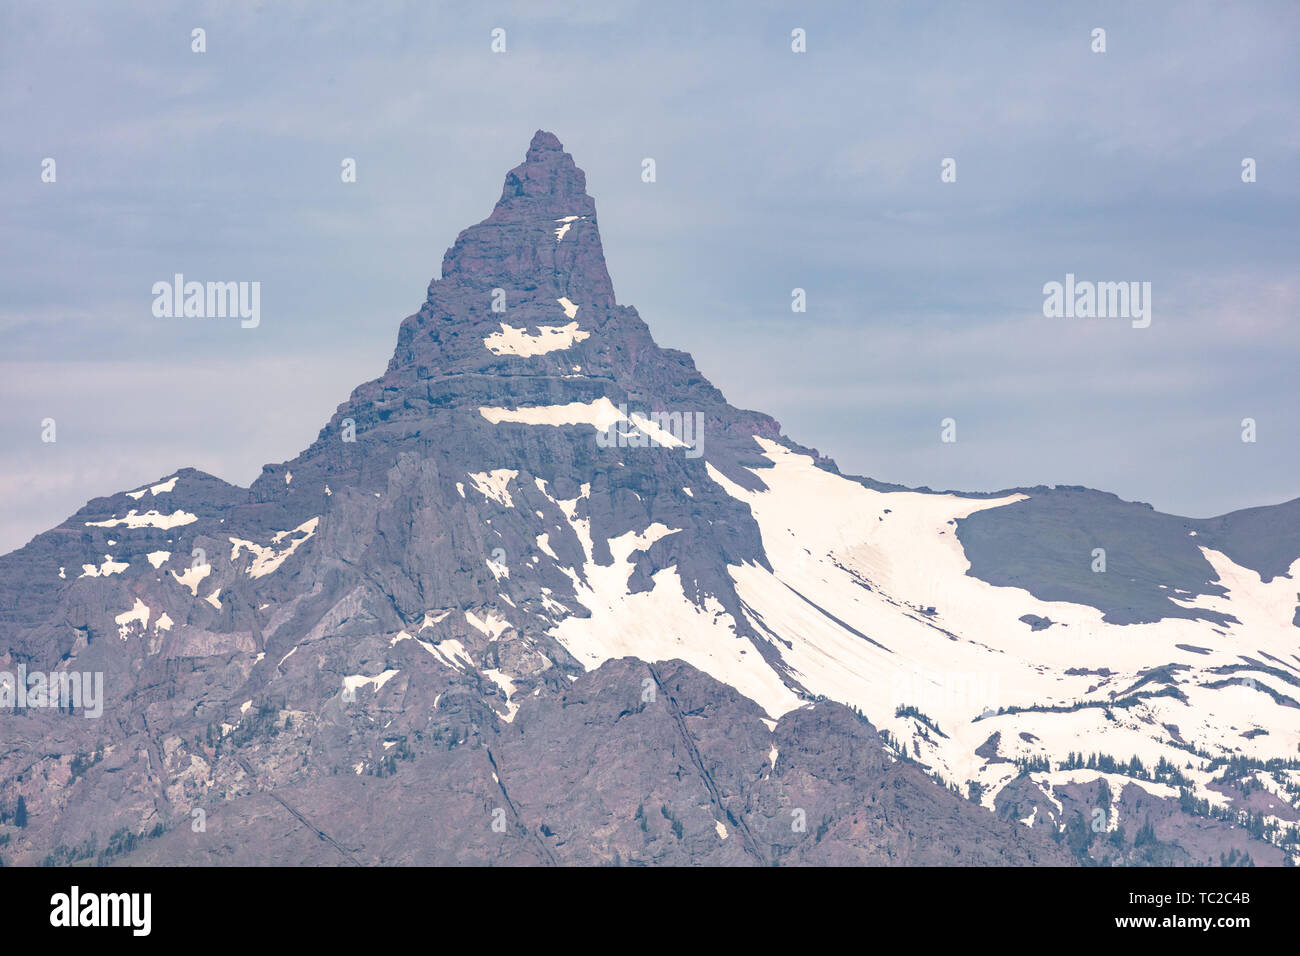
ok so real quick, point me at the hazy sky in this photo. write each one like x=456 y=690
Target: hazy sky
x=775 y=170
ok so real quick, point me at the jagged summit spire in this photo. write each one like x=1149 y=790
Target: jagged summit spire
x=545 y=141
x=542 y=232
x=547 y=174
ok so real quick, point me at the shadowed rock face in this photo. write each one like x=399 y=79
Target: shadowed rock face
x=356 y=660
x=1035 y=544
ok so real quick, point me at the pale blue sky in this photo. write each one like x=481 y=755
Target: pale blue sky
x=775 y=170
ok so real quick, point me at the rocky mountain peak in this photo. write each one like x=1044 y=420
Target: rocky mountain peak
x=459 y=595
x=541 y=236
x=547 y=173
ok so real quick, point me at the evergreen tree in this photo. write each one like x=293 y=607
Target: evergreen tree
x=1145 y=835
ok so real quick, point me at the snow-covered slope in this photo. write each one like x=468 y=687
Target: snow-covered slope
x=866 y=600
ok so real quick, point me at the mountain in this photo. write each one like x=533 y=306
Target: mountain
x=539 y=594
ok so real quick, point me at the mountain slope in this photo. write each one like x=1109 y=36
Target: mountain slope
x=540 y=574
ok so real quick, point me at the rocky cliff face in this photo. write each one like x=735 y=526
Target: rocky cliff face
x=539 y=594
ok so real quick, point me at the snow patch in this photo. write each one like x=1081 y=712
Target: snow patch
x=192 y=577
x=492 y=484
x=452 y=653
x=159 y=489
x=139 y=614
x=430 y=620
x=565 y=223
x=549 y=338
x=267 y=559
x=660 y=435
x=492 y=624
x=600 y=414
x=354 y=682
x=150 y=519
x=507 y=688
x=544 y=542
x=103 y=570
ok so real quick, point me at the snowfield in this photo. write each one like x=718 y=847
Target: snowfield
x=868 y=603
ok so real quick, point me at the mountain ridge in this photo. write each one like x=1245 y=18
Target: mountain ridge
x=465 y=550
